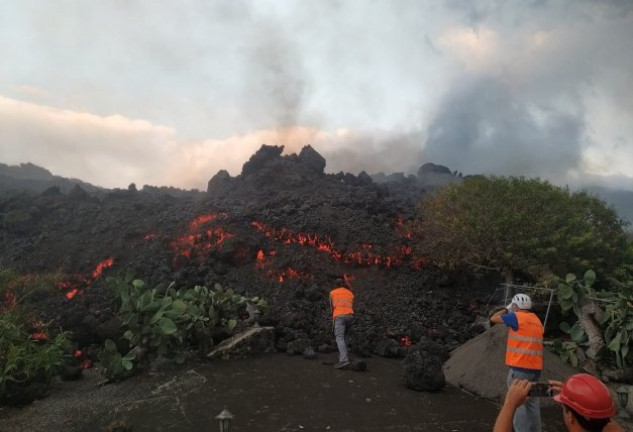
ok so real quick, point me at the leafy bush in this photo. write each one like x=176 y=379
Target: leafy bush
x=168 y=322
x=27 y=358
x=516 y=225
x=116 y=366
x=604 y=323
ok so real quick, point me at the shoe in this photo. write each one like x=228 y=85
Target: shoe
x=342 y=364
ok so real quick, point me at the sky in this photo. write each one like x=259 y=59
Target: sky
x=169 y=92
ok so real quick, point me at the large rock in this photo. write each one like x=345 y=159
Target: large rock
x=264 y=157
x=431 y=175
x=311 y=160
x=428 y=168
x=219 y=183
x=478 y=366
x=388 y=347
x=423 y=366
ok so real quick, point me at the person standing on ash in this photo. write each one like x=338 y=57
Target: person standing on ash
x=342 y=306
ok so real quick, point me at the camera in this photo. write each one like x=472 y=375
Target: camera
x=540 y=389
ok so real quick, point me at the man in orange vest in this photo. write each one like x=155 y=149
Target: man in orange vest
x=342 y=304
x=524 y=355
x=587 y=404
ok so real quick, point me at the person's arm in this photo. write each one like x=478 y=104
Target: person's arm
x=496 y=317
x=613 y=426
x=516 y=396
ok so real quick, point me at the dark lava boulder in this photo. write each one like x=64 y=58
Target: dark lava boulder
x=422 y=368
x=311 y=160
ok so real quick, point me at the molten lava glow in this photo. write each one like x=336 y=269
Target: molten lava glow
x=85 y=363
x=401 y=226
x=201 y=220
x=207 y=240
x=280 y=275
x=261 y=259
x=74 y=286
x=405 y=341
x=202 y=238
x=77 y=283
x=288 y=273
x=364 y=257
x=199 y=238
x=102 y=265
x=39 y=336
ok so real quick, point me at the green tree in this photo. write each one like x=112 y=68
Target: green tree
x=602 y=333
x=512 y=224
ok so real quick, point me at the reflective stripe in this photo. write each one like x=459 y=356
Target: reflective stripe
x=525 y=338
x=525 y=351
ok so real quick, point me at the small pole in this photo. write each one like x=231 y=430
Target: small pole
x=549 y=305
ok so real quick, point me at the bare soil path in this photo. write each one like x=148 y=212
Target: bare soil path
x=267 y=393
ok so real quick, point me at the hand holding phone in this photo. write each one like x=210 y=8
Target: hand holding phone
x=540 y=389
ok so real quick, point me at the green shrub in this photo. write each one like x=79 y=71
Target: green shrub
x=27 y=358
x=604 y=321
x=115 y=365
x=168 y=322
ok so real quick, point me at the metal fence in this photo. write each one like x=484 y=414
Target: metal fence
x=509 y=290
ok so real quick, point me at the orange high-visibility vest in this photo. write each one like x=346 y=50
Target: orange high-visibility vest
x=525 y=346
x=342 y=301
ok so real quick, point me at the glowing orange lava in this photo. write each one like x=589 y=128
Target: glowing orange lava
x=200 y=238
x=39 y=336
x=76 y=284
x=364 y=257
x=102 y=265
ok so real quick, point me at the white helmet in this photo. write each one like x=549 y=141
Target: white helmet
x=522 y=301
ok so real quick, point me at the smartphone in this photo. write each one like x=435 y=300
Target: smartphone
x=540 y=389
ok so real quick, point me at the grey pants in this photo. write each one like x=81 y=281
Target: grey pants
x=527 y=417
x=341 y=324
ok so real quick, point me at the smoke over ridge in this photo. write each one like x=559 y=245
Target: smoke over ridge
x=173 y=94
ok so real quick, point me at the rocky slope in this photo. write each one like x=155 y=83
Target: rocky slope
x=282 y=229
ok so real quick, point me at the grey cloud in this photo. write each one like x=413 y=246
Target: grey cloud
x=377 y=151
x=274 y=78
x=429 y=43
x=484 y=128
x=385 y=71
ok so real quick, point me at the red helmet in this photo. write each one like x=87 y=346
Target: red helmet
x=587 y=395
